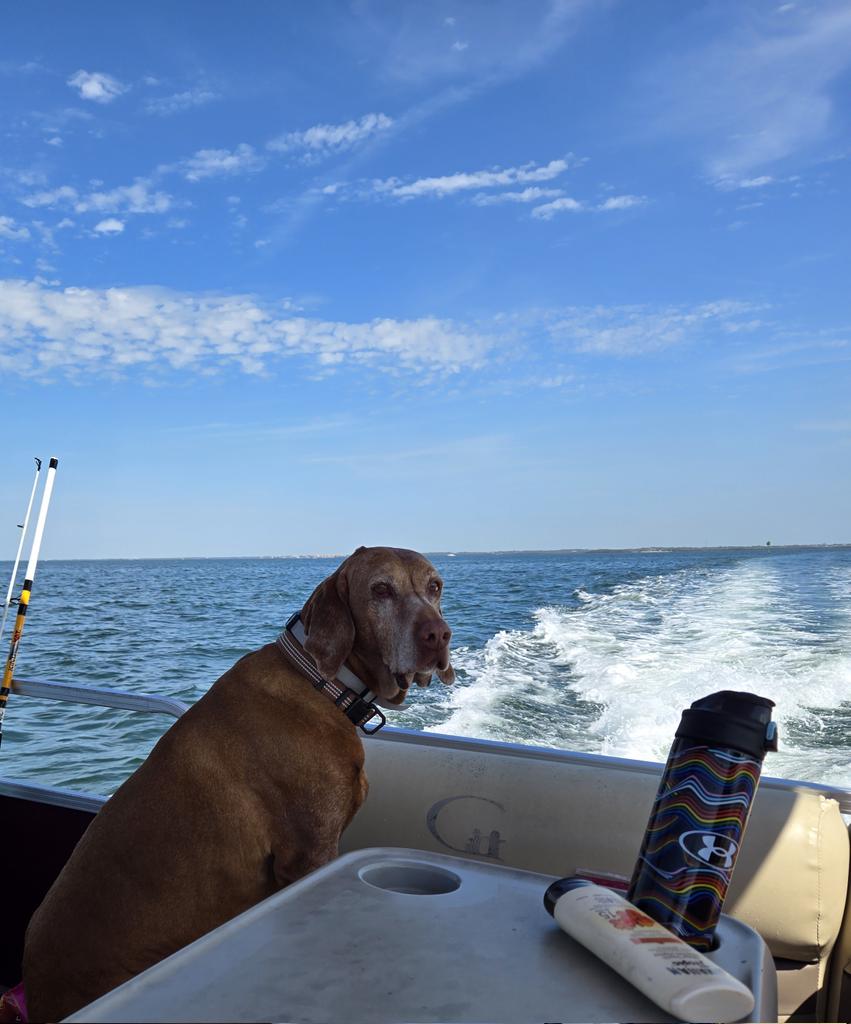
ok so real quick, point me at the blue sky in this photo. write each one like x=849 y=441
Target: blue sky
x=288 y=278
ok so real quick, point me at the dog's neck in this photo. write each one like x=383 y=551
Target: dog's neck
x=349 y=693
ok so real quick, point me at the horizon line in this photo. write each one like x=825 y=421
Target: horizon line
x=643 y=549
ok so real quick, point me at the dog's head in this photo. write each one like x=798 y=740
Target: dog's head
x=380 y=612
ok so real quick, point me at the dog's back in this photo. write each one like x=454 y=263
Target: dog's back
x=210 y=824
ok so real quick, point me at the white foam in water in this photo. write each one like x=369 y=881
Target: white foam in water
x=613 y=674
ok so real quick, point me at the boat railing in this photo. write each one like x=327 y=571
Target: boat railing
x=75 y=694
x=144 y=702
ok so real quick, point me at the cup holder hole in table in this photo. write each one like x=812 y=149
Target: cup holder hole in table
x=410 y=878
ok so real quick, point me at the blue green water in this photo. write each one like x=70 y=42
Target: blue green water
x=595 y=651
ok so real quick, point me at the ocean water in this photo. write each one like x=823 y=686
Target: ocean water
x=592 y=651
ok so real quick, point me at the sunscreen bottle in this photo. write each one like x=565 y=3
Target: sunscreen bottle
x=667 y=970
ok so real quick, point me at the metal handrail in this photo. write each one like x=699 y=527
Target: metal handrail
x=75 y=694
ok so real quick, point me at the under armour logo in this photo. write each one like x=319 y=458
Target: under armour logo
x=718 y=851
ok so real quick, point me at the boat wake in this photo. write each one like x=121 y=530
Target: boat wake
x=611 y=673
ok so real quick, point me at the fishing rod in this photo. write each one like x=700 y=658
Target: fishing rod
x=23 y=527
x=26 y=591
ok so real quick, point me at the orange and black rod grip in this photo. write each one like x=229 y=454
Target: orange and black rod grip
x=20 y=620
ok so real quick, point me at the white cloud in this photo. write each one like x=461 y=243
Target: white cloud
x=48 y=331
x=729 y=184
x=527 y=195
x=53 y=197
x=324 y=139
x=55 y=141
x=566 y=204
x=638 y=330
x=211 y=163
x=407 y=41
x=96 y=86
x=178 y=102
x=461 y=181
x=11 y=67
x=110 y=226
x=549 y=210
x=622 y=202
x=766 y=90
x=459 y=47
x=135 y=198
x=9 y=231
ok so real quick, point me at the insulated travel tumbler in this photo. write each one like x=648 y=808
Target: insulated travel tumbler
x=700 y=812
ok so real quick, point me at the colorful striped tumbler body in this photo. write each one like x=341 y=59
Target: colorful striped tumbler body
x=699 y=815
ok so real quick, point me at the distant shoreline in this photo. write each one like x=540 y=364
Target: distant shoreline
x=654 y=550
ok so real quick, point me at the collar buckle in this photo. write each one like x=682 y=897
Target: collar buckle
x=361 y=712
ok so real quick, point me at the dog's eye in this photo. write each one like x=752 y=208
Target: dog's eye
x=434 y=587
x=381 y=590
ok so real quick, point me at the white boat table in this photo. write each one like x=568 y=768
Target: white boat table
x=382 y=936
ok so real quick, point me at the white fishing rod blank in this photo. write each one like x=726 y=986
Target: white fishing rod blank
x=39 y=526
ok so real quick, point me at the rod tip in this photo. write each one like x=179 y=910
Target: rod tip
x=54 y=462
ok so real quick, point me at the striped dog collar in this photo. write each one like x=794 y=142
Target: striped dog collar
x=350 y=694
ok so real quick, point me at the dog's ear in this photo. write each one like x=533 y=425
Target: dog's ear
x=445 y=673
x=329 y=625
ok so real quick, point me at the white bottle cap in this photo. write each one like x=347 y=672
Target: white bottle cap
x=710 y=1002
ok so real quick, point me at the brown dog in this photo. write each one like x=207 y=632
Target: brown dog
x=247 y=792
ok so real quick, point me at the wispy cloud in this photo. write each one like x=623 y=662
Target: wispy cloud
x=533 y=194
x=47 y=332
x=214 y=163
x=51 y=197
x=549 y=210
x=326 y=139
x=58 y=123
x=97 y=86
x=638 y=330
x=15 y=67
x=731 y=184
x=764 y=91
x=238 y=431
x=501 y=40
x=10 y=231
x=626 y=202
x=788 y=349
x=178 y=102
x=567 y=205
x=460 y=181
x=135 y=198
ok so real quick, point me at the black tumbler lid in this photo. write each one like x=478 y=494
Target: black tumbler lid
x=729 y=718
x=559 y=888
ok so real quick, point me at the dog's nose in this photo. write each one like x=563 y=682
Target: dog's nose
x=434 y=634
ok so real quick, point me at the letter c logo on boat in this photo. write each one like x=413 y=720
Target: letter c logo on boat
x=468 y=824
x=712 y=848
